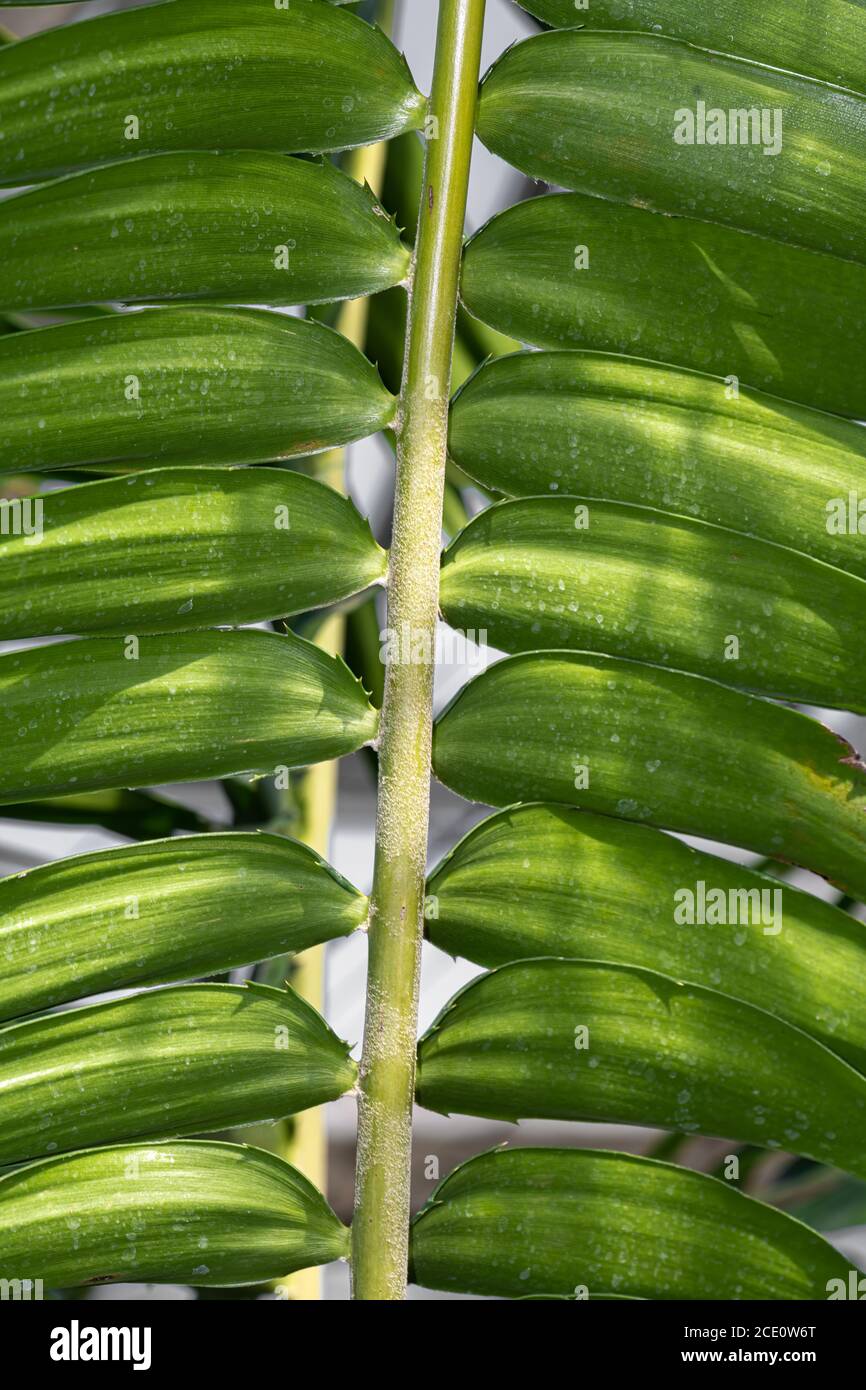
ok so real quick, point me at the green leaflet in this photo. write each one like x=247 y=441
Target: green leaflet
x=200 y=74
x=830 y=44
x=523 y=1222
x=549 y=881
x=598 y=425
x=586 y=1040
x=658 y=746
x=603 y=576
x=189 y=1213
x=790 y=165
x=777 y=317
x=169 y=1061
x=239 y=227
x=183 y=548
x=85 y=715
x=201 y=385
x=172 y=910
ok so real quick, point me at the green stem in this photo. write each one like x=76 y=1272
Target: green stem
x=380 y=1230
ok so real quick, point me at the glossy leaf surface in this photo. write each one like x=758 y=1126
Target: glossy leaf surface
x=168 y=1061
x=200 y=74
x=183 y=548
x=238 y=227
x=535 y=1222
x=602 y=576
x=783 y=33
x=200 y=1213
x=601 y=425
x=168 y=386
x=660 y=747
x=571 y=271
x=585 y=1040
x=789 y=163
x=91 y=714
x=550 y=881
x=162 y=911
